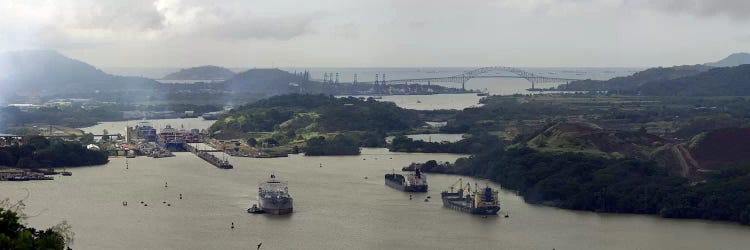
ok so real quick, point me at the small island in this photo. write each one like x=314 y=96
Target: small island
x=206 y=73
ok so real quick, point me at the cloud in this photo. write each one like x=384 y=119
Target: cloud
x=194 y=19
x=734 y=9
x=743 y=38
x=738 y=10
x=62 y=24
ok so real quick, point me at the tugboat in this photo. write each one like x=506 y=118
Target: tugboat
x=413 y=182
x=274 y=197
x=224 y=164
x=481 y=202
x=255 y=209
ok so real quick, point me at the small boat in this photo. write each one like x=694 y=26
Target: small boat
x=66 y=173
x=255 y=209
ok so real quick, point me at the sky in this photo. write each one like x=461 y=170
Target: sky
x=380 y=33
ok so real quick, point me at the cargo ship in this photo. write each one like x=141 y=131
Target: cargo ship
x=210 y=116
x=482 y=202
x=146 y=131
x=172 y=139
x=412 y=182
x=274 y=197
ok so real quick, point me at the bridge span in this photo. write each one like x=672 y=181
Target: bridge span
x=486 y=72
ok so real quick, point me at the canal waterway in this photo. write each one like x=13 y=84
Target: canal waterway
x=336 y=207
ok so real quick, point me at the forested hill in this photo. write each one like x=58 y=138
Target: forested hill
x=731 y=81
x=732 y=60
x=40 y=152
x=695 y=80
x=270 y=81
x=304 y=113
x=630 y=84
x=576 y=179
x=49 y=72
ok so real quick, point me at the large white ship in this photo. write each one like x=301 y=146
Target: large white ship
x=274 y=197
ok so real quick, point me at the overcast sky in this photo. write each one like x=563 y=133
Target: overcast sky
x=351 y=33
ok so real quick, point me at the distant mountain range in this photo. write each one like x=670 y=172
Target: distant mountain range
x=732 y=60
x=40 y=73
x=633 y=82
x=30 y=74
x=207 y=72
x=729 y=76
x=728 y=81
x=49 y=72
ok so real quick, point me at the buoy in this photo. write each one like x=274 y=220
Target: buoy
x=506 y=216
x=141 y=202
x=145 y=205
x=426 y=200
x=428 y=197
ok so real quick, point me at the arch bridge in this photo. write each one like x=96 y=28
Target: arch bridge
x=486 y=72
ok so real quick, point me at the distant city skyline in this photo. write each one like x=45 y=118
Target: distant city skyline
x=419 y=33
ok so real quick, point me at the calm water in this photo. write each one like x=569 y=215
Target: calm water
x=335 y=208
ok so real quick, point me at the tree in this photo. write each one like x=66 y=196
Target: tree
x=87 y=138
x=14 y=235
x=252 y=142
